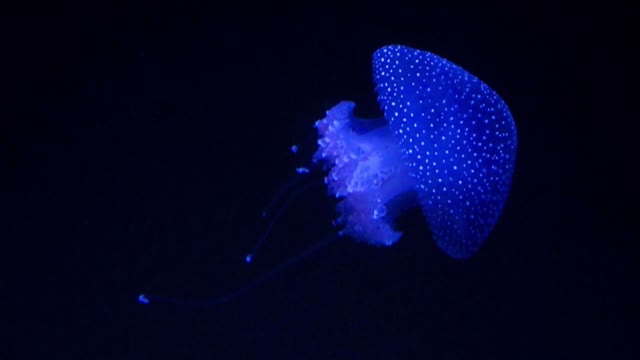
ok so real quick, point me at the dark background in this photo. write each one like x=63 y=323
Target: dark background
x=139 y=144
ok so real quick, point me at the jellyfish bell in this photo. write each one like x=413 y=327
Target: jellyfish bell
x=447 y=144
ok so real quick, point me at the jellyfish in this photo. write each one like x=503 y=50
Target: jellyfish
x=447 y=143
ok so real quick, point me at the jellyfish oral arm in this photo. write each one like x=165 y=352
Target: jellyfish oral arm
x=365 y=170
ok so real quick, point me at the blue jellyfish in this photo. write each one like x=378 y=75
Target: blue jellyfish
x=447 y=143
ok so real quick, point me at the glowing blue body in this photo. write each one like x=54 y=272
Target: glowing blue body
x=447 y=143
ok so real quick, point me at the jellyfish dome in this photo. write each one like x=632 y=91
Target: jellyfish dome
x=447 y=143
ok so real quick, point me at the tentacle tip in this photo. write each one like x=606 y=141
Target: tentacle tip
x=248 y=258
x=143 y=299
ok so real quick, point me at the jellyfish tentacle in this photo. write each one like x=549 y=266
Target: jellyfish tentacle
x=295 y=195
x=299 y=177
x=256 y=282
